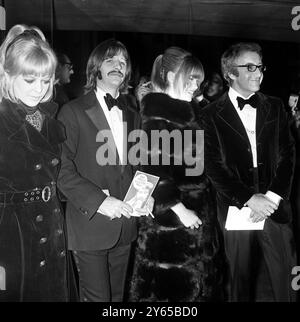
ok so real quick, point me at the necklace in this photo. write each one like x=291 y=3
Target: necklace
x=35 y=119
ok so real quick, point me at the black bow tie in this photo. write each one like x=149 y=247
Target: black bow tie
x=251 y=101
x=111 y=102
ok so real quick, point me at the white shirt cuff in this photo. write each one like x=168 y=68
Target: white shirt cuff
x=273 y=197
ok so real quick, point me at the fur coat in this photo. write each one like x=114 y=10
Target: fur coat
x=172 y=262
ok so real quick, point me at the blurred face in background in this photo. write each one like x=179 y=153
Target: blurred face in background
x=66 y=70
x=213 y=88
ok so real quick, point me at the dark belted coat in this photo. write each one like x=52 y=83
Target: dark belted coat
x=32 y=240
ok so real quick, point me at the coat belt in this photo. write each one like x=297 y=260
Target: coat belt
x=38 y=194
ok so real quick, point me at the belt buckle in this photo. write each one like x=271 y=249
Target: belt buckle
x=46 y=193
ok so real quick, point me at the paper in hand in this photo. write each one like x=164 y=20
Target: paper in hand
x=140 y=190
x=239 y=219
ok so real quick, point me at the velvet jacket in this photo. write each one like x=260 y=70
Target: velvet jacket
x=85 y=181
x=228 y=157
x=32 y=240
x=175 y=263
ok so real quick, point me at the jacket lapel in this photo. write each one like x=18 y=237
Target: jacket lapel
x=229 y=115
x=98 y=118
x=262 y=113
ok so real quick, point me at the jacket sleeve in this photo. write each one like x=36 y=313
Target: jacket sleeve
x=81 y=192
x=223 y=179
x=282 y=179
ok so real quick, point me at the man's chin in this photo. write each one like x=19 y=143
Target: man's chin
x=116 y=82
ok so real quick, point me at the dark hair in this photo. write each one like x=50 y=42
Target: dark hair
x=61 y=58
x=107 y=48
x=232 y=53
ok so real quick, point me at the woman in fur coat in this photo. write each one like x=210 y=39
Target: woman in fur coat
x=177 y=255
x=33 y=258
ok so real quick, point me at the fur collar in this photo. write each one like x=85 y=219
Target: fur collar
x=162 y=106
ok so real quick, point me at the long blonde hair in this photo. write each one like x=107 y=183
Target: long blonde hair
x=25 y=51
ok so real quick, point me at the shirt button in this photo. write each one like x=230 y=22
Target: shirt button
x=54 y=162
x=43 y=240
x=42 y=263
x=59 y=231
x=39 y=218
x=38 y=166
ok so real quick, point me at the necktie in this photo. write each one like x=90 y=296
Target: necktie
x=111 y=102
x=251 y=101
x=35 y=119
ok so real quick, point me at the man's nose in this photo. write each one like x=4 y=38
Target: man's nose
x=258 y=72
x=118 y=65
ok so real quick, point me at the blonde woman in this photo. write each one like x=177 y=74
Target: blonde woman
x=32 y=241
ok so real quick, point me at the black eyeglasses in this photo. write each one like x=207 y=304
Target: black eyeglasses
x=252 y=68
x=70 y=65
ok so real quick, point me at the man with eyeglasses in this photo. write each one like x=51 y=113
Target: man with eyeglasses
x=249 y=158
x=63 y=73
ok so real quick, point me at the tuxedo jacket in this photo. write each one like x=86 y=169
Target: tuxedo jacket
x=228 y=157
x=85 y=182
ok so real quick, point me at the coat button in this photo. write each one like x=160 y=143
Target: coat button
x=43 y=240
x=59 y=231
x=62 y=253
x=56 y=210
x=39 y=218
x=38 y=166
x=54 y=162
x=42 y=263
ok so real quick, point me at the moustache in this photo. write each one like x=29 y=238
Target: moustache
x=116 y=72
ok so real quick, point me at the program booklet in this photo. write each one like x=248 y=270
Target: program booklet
x=140 y=190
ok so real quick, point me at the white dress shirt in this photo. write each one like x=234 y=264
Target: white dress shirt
x=114 y=118
x=248 y=118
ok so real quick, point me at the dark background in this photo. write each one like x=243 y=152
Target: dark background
x=281 y=58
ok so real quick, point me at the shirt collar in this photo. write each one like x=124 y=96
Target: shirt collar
x=101 y=93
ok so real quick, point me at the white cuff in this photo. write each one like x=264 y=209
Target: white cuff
x=273 y=197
